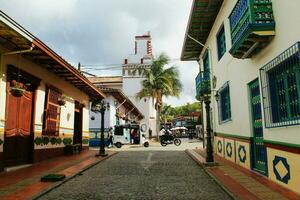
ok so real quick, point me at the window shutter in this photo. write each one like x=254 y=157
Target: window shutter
x=52 y=112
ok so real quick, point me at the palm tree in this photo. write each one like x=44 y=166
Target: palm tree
x=165 y=113
x=160 y=82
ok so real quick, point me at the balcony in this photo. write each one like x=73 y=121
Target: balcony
x=252 y=27
x=202 y=84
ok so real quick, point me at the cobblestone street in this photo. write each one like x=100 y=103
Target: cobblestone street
x=141 y=175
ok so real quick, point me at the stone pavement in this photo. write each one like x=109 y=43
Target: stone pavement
x=25 y=183
x=242 y=183
x=141 y=175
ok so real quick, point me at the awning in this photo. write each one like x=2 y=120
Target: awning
x=14 y=37
x=120 y=97
x=201 y=20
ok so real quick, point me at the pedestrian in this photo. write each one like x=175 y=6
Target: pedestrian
x=110 y=137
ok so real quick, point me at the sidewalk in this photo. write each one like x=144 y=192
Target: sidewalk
x=25 y=183
x=242 y=183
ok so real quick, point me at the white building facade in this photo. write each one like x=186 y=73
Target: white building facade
x=250 y=63
x=133 y=74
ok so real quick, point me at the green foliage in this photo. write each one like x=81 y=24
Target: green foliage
x=160 y=81
x=45 y=140
x=170 y=112
x=1 y=142
x=85 y=141
x=67 y=141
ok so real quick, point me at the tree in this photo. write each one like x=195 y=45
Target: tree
x=165 y=113
x=160 y=82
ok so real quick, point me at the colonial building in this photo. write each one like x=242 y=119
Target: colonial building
x=44 y=100
x=130 y=81
x=249 y=55
x=133 y=73
x=121 y=111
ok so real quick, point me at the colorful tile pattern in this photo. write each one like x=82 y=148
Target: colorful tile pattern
x=281 y=169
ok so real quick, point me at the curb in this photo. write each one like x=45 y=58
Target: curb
x=70 y=177
x=202 y=163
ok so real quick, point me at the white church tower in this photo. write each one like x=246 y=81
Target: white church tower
x=133 y=68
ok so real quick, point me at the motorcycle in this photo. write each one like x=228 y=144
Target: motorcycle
x=169 y=139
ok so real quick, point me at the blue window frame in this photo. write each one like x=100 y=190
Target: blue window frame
x=280 y=81
x=224 y=103
x=221 y=42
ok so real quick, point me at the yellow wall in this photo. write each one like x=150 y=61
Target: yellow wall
x=286 y=166
x=243 y=154
x=240 y=150
x=229 y=149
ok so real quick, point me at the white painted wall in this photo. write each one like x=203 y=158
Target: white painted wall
x=240 y=72
x=67 y=111
x=132 y=85
x=109 y=116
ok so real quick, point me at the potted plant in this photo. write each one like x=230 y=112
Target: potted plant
x=17 y=88
x=62 y=100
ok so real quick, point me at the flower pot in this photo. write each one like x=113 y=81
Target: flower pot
x=17 y=92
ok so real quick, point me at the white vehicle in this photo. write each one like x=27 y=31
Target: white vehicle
x=122 y=135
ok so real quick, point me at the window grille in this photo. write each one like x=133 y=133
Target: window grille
x=280 y=81
x=224 y=103
x=221 y=42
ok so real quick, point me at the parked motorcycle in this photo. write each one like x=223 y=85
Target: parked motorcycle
x=169 y=139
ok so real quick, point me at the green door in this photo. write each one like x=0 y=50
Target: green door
x=259 y=153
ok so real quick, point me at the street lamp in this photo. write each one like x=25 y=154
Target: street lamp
x=206 y=98
x=101 y=107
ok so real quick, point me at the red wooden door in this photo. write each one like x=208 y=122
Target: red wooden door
x=18 y=144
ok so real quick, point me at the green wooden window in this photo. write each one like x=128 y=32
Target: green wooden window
x=221 y=42
x=224 y=103
x=281 y=89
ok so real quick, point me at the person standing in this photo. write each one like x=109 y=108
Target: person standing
x=110 y=137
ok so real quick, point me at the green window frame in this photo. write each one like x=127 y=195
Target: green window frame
x=224 y=106
x=221 y=42
x=281 y=89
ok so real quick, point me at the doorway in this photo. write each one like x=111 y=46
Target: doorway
x=259 y=161
x=77 y=136
x=18 y=131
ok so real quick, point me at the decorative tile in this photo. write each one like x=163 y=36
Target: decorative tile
x=242 y=153
x=220 y=146
x=281 y=169
x=229 y=149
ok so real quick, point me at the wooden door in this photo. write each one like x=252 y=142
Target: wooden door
x=18 y=144
x=77 y=136
x=259 y=150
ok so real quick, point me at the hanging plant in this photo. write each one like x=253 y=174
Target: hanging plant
x=17 y=88
x=62 y=100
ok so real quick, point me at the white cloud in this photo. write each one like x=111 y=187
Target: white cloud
x=102 y=32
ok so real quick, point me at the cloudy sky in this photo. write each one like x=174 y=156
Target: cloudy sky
x=101 y=33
